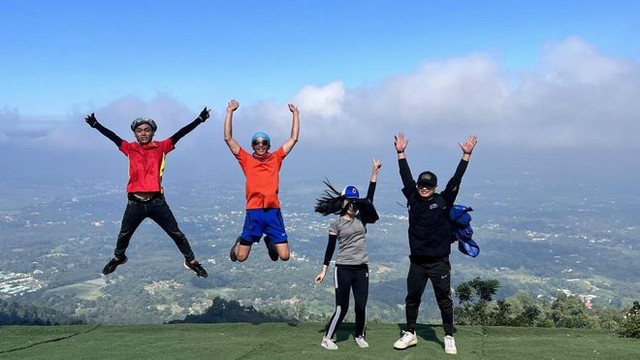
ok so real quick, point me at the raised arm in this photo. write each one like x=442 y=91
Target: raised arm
x=204 y=115
x=228 y=127
x=367 y=212
x=374 y=179
x=453 y=185
x=93 y=122
x=401 y=143
x=295 y=130
x=468 y=146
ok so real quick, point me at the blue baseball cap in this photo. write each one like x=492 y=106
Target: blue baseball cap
x=350 y=192
x=261 y=135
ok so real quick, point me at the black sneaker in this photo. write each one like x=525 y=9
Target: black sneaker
x=271 y=247
x=232 y=253
x=196 y=268
x=113 y=264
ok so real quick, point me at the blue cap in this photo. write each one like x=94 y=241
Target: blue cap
x=350 y=192
x=261 y=135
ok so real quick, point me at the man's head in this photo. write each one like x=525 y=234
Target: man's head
x=144 y=129
x=261 y=143
x=426 y=184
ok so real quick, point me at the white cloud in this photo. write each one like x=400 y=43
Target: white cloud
x=323 y=102
x=575 y=61
x=575 y=97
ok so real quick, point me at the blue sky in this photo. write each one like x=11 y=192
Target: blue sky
x=536 y=75
x=64 y=56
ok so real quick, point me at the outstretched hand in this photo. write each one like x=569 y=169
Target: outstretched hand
x=377 y=164
x=91 y=119
x=204 y=114
x=233 y=105
x=400 y=142
x=293 y=109
x=469 y=145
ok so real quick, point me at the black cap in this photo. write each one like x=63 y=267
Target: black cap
x=427 y=178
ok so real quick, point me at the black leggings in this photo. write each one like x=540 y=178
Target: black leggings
x=345 y=278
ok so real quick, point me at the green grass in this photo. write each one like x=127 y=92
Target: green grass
x=283 y=341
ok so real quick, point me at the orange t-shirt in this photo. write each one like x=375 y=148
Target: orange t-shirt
x=263 y=179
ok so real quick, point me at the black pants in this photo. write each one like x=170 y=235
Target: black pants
x=157 y=210
x=439 y=272
x=345 y=278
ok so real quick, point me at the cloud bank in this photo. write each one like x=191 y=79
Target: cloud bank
x=576 y=100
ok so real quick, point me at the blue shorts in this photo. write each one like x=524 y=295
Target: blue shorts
x=264 y=221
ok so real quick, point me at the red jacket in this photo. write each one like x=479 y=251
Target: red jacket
x=146 y=164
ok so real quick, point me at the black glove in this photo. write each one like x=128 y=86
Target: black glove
x=91 y=120
x=204 y=114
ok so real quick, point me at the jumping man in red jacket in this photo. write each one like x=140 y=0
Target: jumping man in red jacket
x=144 y=190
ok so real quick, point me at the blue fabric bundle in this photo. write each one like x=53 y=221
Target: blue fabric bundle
x=462 y=231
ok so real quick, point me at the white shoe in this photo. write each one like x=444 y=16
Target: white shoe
x=450 y=345
x=362 y=342
x=408 y=339
x=328 y=344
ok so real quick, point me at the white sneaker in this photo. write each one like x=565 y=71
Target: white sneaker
x=362 y=342
x=450 y=345
x=408 y=339
x=328 y=344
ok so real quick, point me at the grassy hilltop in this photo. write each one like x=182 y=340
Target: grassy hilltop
x=302 y=341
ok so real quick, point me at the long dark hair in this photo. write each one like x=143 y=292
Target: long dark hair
x=330 y=202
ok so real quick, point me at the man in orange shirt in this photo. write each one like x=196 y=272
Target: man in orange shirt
x=261 y=170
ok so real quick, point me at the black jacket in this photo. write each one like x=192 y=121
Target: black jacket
x=429 y=227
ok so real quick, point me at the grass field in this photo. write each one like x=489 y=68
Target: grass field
x=283 y=341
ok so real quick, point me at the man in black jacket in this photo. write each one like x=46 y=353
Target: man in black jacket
x=429 y=241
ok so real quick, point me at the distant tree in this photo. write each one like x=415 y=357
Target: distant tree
x=476 y=313
x=483 y=289
x=501 y=314
x=609 y=318
x=464 y=292
x=569 y=311
x=630 y=325
x=14 y=313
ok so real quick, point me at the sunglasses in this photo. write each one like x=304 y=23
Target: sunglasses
x=260 y=142
x=428 y=187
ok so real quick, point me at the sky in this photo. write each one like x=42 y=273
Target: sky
x=550 y=88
